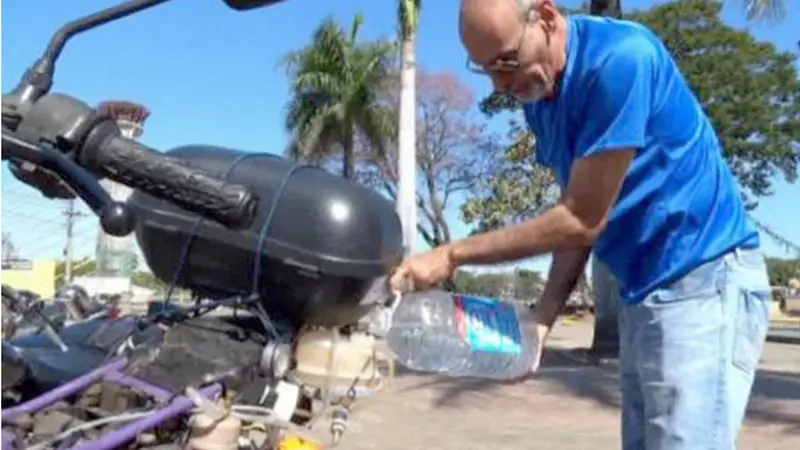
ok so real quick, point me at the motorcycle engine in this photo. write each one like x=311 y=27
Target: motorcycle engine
x=299 y=375
x=329 y=370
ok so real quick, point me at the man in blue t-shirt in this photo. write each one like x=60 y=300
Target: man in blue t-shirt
x=646 y=187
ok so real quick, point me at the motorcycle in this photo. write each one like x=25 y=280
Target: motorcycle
x=25 y=313
x=58 y=326
x=299 y=254
x=61 y=327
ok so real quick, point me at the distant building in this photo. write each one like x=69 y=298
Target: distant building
x=116 y=256
x=38 y=277
x=794 y=286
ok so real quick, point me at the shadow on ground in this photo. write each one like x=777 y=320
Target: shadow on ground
x=775 y=398
x=570 y=370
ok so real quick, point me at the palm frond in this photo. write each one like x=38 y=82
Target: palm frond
x=357 y=22
x=377 y=124
x=319 y=85
x=408 y=16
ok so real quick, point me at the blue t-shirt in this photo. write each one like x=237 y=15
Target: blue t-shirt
x=680 y=205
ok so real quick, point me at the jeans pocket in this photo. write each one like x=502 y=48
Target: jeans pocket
x=752 y=322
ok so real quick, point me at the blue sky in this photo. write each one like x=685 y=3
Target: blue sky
x=209 y=75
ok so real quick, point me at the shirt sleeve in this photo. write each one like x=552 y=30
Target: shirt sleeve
x=618 y=100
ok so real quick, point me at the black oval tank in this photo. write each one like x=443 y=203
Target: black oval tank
x=320 y=239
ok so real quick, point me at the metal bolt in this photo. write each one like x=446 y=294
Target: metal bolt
x=339 y=419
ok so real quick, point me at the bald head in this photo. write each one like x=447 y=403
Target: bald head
x=490 y=22
x=520 y=6
x=520 y=43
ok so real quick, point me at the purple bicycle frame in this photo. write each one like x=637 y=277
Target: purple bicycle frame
x=111 y=371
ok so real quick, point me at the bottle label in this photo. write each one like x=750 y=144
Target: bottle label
x=488 y=325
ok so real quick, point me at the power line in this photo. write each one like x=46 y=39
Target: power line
x=786 y=243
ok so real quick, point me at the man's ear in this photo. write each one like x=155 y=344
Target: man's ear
x=547 y=13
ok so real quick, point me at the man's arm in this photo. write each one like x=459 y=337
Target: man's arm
x=565 y=271
x=572 y=224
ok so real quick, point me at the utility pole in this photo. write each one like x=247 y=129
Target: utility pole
x=72 y=215
x=9 y=249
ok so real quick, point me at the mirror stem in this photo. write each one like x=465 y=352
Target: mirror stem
x=38 y=80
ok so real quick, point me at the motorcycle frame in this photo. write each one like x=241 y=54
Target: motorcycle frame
x=111 y=372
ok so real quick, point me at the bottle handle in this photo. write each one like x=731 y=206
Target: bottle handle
x=381 y=316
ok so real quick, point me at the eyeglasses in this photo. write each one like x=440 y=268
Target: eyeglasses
x=498 y=66
x=504 y=64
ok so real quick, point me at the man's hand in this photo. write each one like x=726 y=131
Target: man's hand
x=565 y=270
x=542 y=332
x=420 y=272
x=540 y=340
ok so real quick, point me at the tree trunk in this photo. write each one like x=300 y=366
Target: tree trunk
x=347 y=156
x=610 y=8
x=607 y=304
x=605 y=343
x=407 y=146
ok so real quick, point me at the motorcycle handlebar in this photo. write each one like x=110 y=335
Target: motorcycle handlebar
x=135 y=165
x=70 y=139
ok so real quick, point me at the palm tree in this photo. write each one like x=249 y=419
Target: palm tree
x=408 y=21
x=336 y=90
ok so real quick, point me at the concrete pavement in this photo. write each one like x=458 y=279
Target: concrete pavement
x=569 y=405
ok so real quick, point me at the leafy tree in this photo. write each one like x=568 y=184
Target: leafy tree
x=80 y=268
x=487 y=284
x=528 y=284
x=781 y=271
x=116 y=263
x=452 y=152
x=335 y=85
x=149 y=281
x=519 y=189
x=520 y=284
x=750 y=91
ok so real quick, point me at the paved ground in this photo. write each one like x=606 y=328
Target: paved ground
x=569 y=405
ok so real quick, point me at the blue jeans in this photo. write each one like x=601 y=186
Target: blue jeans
x=688 y=356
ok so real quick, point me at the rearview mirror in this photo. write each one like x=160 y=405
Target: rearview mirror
x=244 y=5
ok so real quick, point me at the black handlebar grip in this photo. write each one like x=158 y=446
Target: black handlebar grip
x=159 y=175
